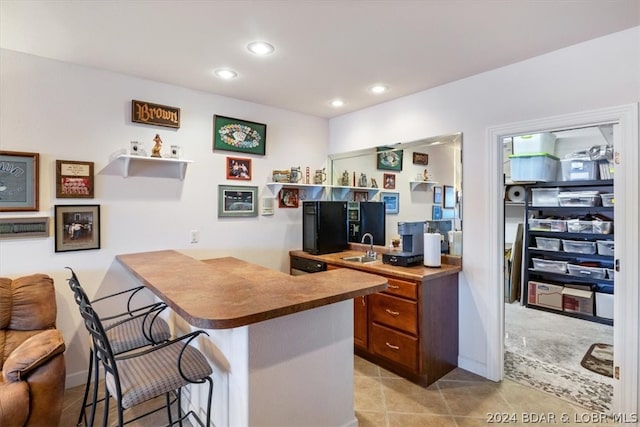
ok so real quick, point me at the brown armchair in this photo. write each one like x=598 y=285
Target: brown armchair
x=32 y=369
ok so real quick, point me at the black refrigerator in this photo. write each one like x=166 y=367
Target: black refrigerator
x=324 y=227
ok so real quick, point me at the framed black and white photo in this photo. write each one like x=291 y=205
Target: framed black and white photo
x=19 y=174
x=77 y=227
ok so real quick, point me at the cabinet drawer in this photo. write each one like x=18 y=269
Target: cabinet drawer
x=395 y=346
x=394 y=312
x=402 y=288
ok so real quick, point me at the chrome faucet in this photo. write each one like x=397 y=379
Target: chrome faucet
x=370 y=253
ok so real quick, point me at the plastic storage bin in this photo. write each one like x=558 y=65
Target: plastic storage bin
x=604 y=305
x=548 y=244
x=610 y=273
x=602 y=227
x=583 y=271
x=579 y=226
x=579 y=246
x=605 y=247
x=550 y=265
x=534 y=167
x=536 y=143
x=579 y=198
x=544 y=196
x=543 y=224
x=579 y=170
x=607 y=199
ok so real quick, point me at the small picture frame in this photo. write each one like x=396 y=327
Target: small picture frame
x=449 y=197
x=24 y=227
x=237 y=201
x=436 y=212
x=175 y=152
x=289 y=198
x=135 y=148
x=238 y=168
x=391 y=202
x=360 y=196
x=389 y=159
x=437 y=195
x=420 y=158
x=389 y=180
x=243 y=136
x=448 y=213
x=19 y=186
x=74 y=179
x=77 y=227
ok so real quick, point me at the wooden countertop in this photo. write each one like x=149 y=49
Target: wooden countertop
x=418 y=272
x=224 y=293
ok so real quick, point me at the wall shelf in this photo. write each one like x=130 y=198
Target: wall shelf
x=340 y=192
x=150 y=166
x=421 y=185
x=313 y=191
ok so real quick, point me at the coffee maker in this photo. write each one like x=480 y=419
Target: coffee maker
x=412 y=238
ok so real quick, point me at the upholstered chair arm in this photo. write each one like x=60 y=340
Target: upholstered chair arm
x=31 y=354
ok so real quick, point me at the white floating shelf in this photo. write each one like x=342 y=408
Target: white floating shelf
x=422 y=185
x=151 y=166
x=315 y=190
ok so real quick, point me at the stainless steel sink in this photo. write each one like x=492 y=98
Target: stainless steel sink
x=362 y=259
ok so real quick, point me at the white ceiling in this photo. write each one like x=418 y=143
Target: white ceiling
x=325 y=49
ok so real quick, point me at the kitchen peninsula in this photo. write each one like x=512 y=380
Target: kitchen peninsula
x=281 y=346
x=411 y=328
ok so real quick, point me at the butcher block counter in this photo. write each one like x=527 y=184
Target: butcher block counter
x=410 y=328
x=281 y=347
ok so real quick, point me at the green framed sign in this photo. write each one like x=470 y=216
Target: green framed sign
x=242 y=136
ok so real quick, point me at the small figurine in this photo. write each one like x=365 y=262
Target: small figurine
x=155 y=151
x=345 y=179
x=362 y=182
x=425 y=175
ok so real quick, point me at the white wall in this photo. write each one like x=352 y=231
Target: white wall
x=600 y=73
x=67 y=112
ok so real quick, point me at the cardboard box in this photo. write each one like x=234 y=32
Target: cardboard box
x=577 y=301
x=545 y=295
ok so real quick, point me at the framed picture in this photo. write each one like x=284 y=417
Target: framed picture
x=11 y=228
x=289 y=198
x=74 y=180
x=436 y=212
x=239 y=135
x=391 y=202
x=19 y=174
x=360 y=196
x=448 y=213
x=238 y=168
x=77 y=227
x=389 y=158
x=389 y=180
x=237 y=201
x=449 y=197
x=437 y=195
x=420 y=159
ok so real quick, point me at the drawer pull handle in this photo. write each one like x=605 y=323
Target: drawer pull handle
x=391 y=312
x=393 y=347
x=364 y=304
x=394 y=286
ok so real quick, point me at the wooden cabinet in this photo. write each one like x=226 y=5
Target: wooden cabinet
x=411 y=328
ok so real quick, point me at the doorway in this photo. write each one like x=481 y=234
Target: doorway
x=627 y=298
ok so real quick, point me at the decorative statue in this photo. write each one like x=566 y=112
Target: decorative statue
x=155 y=151
x=345 y=179
x=362 y=182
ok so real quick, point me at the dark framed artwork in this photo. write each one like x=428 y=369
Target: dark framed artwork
x=449 y=197
x=74 y=180
x=243 y=136
x=420 y=158
x=436 y=212
x=360 y=196
x=389 y=181
x=391 y=202
x=389 y=158
x=437 y=195
x=238 y=168
x=237 y=201
x=77 y=227
x=289 y=198
x=19 y=185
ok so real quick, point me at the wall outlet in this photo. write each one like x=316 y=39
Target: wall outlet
x=194 y=236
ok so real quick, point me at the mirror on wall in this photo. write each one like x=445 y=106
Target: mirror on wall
x=418 y=181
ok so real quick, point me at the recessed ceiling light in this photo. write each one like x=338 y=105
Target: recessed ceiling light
x=225 y=73
x=377 y=89
x=260 y=48
x=337 y=103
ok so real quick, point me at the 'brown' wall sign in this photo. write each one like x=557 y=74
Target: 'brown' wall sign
x=155 y=114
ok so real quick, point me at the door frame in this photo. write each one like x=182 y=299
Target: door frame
x=626 y=339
